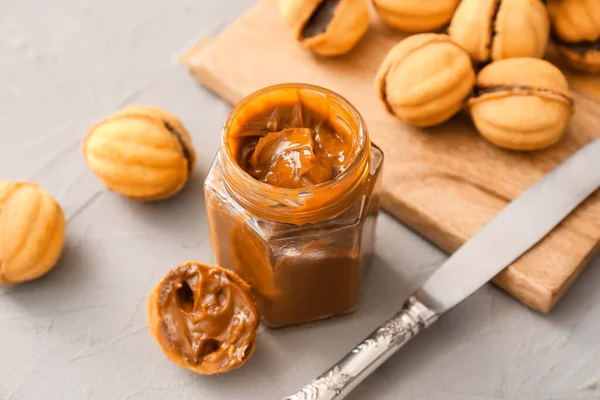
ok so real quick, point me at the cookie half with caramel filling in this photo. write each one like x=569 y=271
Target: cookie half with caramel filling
x=204 y=318
x=327 y=27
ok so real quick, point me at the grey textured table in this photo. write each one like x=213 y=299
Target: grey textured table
x=81 y=331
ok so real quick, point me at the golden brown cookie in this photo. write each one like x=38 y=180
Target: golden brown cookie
x=32 y=232
x=521 y=103
x=416 y=15
x=491 y=30
x=576 y=31
x=327 y=27
x=425 y=79
x=204 y=318
x=140 y=152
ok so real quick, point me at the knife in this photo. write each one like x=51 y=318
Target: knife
x=517 y=228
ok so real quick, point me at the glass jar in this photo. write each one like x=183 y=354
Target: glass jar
x=303 y=250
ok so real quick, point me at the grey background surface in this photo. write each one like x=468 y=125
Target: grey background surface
x=81 y=331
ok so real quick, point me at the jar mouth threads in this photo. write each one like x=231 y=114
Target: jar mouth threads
x=298 y=205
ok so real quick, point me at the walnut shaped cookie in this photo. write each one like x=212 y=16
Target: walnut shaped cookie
x=521 y=103
x=425 y=79
x=327 y=27
x=491 y=30
x=140 y=152
x=32 y=232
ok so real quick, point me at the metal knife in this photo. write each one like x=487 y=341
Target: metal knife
x=518 y=227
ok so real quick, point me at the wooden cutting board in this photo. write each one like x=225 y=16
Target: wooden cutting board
x=445 y=182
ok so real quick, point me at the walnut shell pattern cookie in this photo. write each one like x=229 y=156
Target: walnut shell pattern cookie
x=32 y=232
x=425 y=79
x=327 y=27
x=576 y=31
x=521 y=103
x=204 y=318
x=140 y=152
x=415 y=15
x=491 y=30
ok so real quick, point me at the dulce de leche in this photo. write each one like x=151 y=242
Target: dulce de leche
x=204 y=318
x=292 y=200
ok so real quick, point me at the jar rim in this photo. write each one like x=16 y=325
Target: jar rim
x=295 y=196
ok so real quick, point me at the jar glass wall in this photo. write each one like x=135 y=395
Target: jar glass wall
x=303 y=249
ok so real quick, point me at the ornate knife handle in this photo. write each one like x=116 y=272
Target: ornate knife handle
x=380 y=345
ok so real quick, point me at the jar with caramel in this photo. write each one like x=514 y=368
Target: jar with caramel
x=292 y=201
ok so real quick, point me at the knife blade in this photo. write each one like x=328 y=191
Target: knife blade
x=518 y=227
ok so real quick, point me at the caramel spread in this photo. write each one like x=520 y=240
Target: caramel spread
x=306 y=278
x=204 y=318
x=479 y=90
x=320 y=19
x=313 y=282
x=580 y=47
x=296 y=151
x=293 y=145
